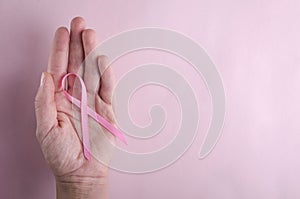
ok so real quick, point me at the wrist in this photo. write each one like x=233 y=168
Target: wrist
x=76 y=187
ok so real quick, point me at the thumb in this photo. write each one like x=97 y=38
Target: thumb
x=45 y=107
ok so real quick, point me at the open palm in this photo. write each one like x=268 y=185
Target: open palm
x=57 y=125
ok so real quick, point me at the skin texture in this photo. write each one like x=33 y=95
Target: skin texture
x=56 y=133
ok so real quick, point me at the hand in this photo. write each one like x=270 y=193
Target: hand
x=56 y=131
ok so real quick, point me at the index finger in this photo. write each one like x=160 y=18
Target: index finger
x=58 y=59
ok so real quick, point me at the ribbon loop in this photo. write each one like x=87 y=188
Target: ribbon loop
x=87 y=111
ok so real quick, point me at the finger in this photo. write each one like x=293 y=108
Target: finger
x=45 y=108
x=107 y=79
x=91 y=72
x=58 y=59
x=76 y=52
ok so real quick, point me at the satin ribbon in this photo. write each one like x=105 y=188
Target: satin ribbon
x=87 y=111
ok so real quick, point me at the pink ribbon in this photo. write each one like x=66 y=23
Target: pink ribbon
x=85 y=111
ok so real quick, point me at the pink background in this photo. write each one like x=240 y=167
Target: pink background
x=255 y=45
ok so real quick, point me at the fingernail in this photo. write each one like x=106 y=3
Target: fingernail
x=42 y=79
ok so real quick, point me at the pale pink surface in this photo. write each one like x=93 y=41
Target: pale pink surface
x=255 y=45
